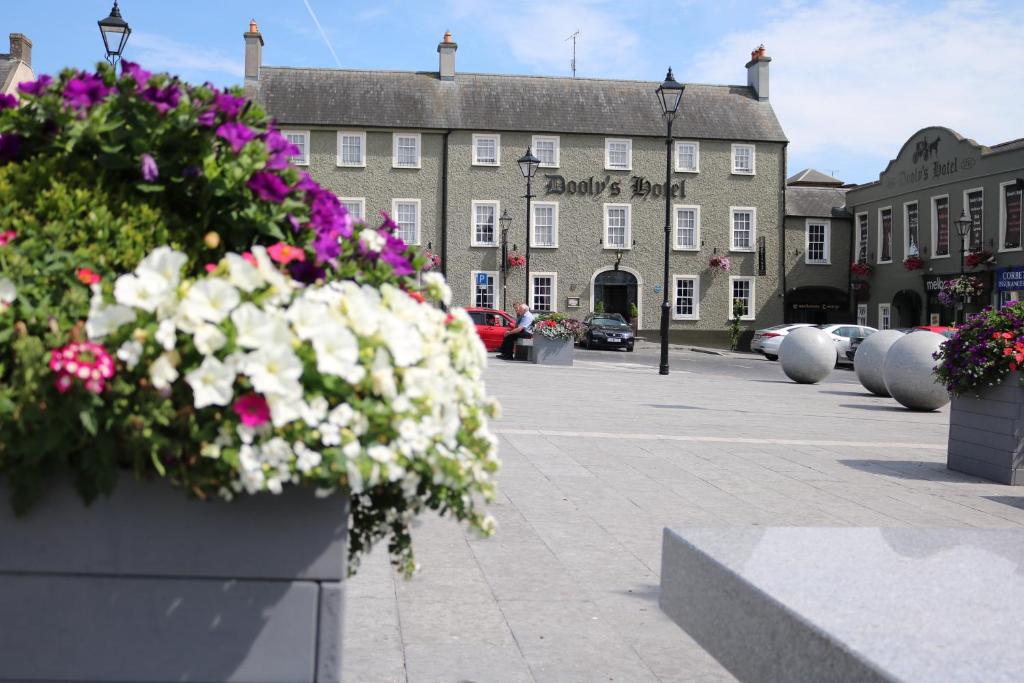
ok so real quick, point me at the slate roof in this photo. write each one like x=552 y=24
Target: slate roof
x=816 y=202
x=7 y=68
x=811 y=176
x=489 y=102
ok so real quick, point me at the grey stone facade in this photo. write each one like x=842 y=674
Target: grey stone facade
x=582 y=113
x=936 y=170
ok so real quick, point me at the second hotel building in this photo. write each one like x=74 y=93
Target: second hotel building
x=438 y=150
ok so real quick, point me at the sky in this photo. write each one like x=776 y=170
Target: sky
x=851 y=80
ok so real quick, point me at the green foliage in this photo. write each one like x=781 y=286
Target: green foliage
x=599 y=307
x=633 y=312
x=739 y=309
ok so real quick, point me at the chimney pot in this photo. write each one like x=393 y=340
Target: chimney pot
x=447 y=36
x=253 y=28
x=21 y=48
x=446 y=57
x=757 y=72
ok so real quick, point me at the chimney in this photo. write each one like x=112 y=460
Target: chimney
x=757 y=73
x=253 y=51
x=21 y=48
x=446 y=49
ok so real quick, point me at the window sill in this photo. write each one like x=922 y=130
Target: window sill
x=939 y=257
x=409 y=168
x=609 y=248
x=483 y=246
x=688 y=170
x=341 y=164
x=618 y=168
x=1004 y=250
x=543 y=246
x=818 y=263
x=743 y=173
x=742 y=250
x=692 y=249
x=487 y=163
x=552 y=166
x=685 y=318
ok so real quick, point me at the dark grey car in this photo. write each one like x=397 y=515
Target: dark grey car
x=607 y=330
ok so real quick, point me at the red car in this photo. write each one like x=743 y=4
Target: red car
x=491 y=325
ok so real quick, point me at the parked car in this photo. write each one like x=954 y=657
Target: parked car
x=609 y=330
x=944 y=330
x=768 y=340
x=491 y=325
x=842 y=336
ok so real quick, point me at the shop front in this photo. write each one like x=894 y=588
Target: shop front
x=1009 y=284
x=948 y=313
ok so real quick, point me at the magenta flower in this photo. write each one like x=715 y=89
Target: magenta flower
x=150 y=171
x=268 y=187
x=280 y=150
x=207 y=118
x=85 y=361
x=85 y=91
x=236 y=135
x=306 y=183
x=136 y=72
x=37 y=87
x=8 y=102
x=10 y=147
x=163 y=99
x=252 y=410
x=228 y=105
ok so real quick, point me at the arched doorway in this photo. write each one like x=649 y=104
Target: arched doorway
x=907 y=306
x=817 y=305
x=616 y=290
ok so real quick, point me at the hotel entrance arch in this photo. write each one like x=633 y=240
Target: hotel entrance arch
x=616 y=289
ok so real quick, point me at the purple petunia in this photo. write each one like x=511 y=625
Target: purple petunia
x=280 y=150
x=228 y=105
x=10 y=147
x=306 y=271
x=207 y=118
x=8 y=102
x=136 y=72
x=164 y=99
x=37 y=87
x=236 y=134
x=268 y=187
x=306 y=183
x=150 y=171
x=84 y=91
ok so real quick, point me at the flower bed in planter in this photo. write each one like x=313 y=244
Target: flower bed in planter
x=180 y=306
x=554 y=338
x=980 y=366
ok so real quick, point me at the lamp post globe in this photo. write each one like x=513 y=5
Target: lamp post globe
x=115 y=31
x=528 y=165
x=963 y=228
x=670 y=94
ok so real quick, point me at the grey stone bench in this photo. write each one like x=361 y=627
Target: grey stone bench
x=523 y=350
x=861 y=604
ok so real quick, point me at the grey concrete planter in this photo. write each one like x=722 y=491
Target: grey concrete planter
x=986 y=434
x=148 y=586
x=552 y=351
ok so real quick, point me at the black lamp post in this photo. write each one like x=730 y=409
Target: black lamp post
x=528 y=165
x=963 y=228
x=115 y=32
x=669 y=94
x=505 y=221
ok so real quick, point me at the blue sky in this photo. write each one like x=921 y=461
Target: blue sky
x=850 y=80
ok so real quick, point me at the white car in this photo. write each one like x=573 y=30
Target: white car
x=768 y=340
x=842 y=334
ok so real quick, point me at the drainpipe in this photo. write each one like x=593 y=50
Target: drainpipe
x=782 y=230
x=849 y=273
x=444 y=205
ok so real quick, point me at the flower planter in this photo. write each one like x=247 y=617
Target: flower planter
x=986 y=434
x=552 y=351
x=148 y=586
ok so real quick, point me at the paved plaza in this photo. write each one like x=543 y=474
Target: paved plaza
x=598 y=458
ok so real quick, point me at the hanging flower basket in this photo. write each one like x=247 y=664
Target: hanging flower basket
x=720 y=263
x=516 y=260
x=861 y=268
x=980 y=257
x=433 y=260
x=913 y=263
x=962 y=288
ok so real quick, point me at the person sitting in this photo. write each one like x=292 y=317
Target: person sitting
x=522 y=330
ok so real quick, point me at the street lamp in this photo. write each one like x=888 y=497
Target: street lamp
x=963 y=228
x=528 y=165
x=669 y=94
x=505 y=221
x=115 y=32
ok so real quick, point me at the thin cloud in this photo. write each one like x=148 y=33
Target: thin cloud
x=160 y=53
x=855 y=80
x=323 y=34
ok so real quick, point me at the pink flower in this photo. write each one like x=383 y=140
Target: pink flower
x=285 y=253
x=250 y=259
x=88 y=362
x=252 y=409
x=87 y=276
x=7 y=236
x=210 y=267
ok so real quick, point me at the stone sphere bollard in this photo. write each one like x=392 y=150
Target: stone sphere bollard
x=908 y=371
x=869 y=360
x=807 y=355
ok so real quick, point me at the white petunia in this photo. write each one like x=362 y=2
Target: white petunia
x=105 y=319
x=337 y=353
x=372 y=240
x=380 y=453
x=437 y=288
x=243 y=274
x=164 y=262
x=166 y=335
x=341 y=416
x=8 y=292
x=162 y=372
x=130 y=353
x=212 y=383
x=209 y=339
x=283 y=409
x=314 y=412
x=211 y=299
x=274 y=370
x=255 y=328
x=330 y=435
x=280 y=286
x=306 y=458
x=147 y=290
x=308 y=318
x=403 y=341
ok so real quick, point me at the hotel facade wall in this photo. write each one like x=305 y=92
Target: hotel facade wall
x=580 y=253
x=954 y=167
x=801 y=273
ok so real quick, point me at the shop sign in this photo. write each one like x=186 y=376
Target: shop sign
x=639 y=186
x=1010 y=279
x=816 y=307
x=928 y=166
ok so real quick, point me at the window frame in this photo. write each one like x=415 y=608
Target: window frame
x=493 y=274
x=675 y=227
x=752 y=210
x=752 y=304
x=558 y=148
x=935 y=227
x=533 y=226
x=419 y=216
x=1002 y=219
x=607 y=154
x=753 y=158
x=419 y=150
x=967 y=205
x=826 y=246
x=306 y=135
x=356 y=200
x=906 y=228
x=628 y=238
x=888 y=314
x=497 y=149
x=473 y=241
x=862 y=309
x=696 y=297
x=878 y=257
x=361 y=134
x=554 y=291
x=696 y=156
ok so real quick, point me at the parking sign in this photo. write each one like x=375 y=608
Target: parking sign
x=481 y=279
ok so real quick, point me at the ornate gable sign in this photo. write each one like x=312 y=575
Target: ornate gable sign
x=934 y=155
